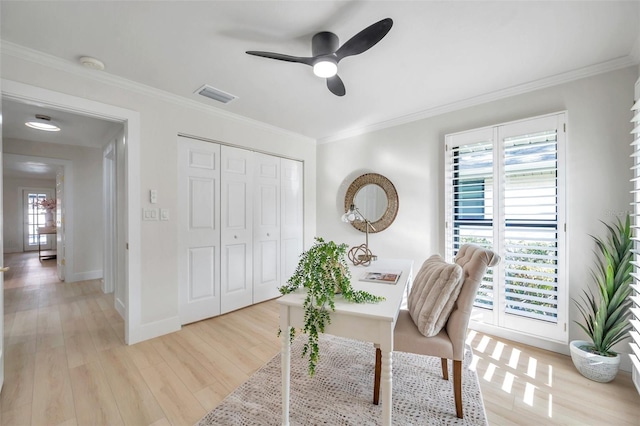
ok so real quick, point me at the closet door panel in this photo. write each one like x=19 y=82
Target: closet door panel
x=236 y=228
x=292 y=204
x=199 y=229
x=266 y=278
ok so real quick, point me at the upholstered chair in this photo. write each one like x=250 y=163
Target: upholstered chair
x=442 y=295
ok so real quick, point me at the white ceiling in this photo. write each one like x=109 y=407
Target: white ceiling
x=75 y=130
x=437 y=54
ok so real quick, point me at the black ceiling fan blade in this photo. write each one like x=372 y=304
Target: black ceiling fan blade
x=336 y=86
x=281 y=57
x=365 y=39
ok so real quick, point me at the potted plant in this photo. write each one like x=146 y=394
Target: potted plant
x=606 y=317
x=322 y=271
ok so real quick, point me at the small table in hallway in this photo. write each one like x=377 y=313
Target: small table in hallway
x=51 y=253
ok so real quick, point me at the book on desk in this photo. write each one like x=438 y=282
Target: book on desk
x=384 y=277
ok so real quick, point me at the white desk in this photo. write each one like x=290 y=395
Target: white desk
x=371 y=322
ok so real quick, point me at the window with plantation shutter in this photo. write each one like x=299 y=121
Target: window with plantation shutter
x=505 y=191
x=635 y=309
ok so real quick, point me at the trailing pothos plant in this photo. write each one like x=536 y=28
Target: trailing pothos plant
x=606 y=318
x=323 y=272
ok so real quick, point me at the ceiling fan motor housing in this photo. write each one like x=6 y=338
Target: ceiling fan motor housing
x=324 y=43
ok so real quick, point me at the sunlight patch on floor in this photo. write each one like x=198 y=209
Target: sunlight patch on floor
x=470 y=336
x=513 y=360
x=496 y=361
x=497 y=351
x=474 y=363
x=531 y=369
x=484 y=342
x=488 y=375
x=529 y=391
x=507 y=384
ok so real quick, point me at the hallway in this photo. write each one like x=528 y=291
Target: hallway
x=66 y=361
x=50 y=327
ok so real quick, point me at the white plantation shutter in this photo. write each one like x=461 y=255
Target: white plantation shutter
x=471 y=209
x=505 y=191
x=531 y=225
x=635 y=309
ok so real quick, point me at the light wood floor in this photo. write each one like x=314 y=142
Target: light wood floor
x=66 y=363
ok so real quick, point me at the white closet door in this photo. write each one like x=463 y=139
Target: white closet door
x=236 y=228
x=199 y=235
x=266 y=231
x=292 y=228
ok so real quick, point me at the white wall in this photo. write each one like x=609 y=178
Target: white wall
x=411 y=156
x=161 y=121
x=87 y=209
x=13 y=220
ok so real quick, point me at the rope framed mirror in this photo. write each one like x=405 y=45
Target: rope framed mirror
x=376 y=197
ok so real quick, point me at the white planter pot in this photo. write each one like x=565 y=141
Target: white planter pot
x=595 y=367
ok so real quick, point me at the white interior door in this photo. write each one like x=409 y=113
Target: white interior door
x=122 y=244
x=266 y=231
x=2 y=267
x=199 y=232
x=60 y=224
x=236 y=228
x=292 y=217
x=109 y=209
x=34 y=218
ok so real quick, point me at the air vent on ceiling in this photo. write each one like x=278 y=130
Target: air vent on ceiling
x=215 y=94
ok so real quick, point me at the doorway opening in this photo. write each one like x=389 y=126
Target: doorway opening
x=130 y=122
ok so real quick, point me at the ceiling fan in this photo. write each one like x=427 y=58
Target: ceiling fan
x=326 y=54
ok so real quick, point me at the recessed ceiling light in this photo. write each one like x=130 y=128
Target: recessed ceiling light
x=43 y=122
x=93 y=63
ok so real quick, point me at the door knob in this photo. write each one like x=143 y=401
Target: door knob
x=4 y=269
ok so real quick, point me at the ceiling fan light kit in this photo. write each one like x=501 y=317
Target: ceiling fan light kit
x=325 y=68
x=327 y=54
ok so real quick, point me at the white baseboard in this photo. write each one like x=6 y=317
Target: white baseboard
x=120 y=308
x=13 y=249
x=153 y=329
x=84 y=276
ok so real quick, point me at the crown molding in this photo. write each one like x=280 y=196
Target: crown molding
x=31 y=55
x=57 y=63
x=555 y=80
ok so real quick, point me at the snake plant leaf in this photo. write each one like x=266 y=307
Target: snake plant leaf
x=605 y=318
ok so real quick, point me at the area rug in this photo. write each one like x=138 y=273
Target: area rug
x=342 y=390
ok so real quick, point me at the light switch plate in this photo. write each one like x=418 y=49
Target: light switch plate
x=164 y=214
x=153 y=196
x=149 y=214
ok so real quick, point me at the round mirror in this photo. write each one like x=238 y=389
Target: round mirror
x=377 y=200
x=372 y=202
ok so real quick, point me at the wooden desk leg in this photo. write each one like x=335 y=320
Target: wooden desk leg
x=387 y=364
x=376 y=377
x=285 y=363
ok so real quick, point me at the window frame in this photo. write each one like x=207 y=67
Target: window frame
x=496 y=315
